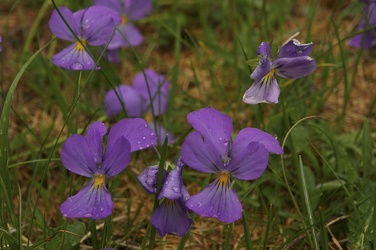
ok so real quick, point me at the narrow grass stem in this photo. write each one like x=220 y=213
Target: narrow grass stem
x=308 y=202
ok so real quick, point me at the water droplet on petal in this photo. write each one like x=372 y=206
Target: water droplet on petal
x=176 y=189
x=143 y=137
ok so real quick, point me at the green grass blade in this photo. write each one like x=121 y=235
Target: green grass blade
x=4 y=126
x=308 y=203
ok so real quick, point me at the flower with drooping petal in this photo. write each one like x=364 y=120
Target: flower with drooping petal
x=210 y=149
x=129 y=10
x=149 y=92
x=292 y=61
x=171 y=216
x=368 y=38
x=92 y=26
x=83 y=155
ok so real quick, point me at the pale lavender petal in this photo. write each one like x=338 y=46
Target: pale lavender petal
x=125 y=36
x=162 y=133
x=77 y=156
x=217 y=201
x=170 y=217
x=148 y=178
x=296 y=67
x=199 y=155
x=58 y=26
x=247 y=135
x=94 y=138
x=98 y=23
x=250 y=162
x=136 y=131
x=365 y=40
x=214 y=126
x=128 y=96
x=137 y=9
x=90 y=202
x=294 y=48
x=264 y=91
x=116 y=157
x=157 y=85
x=172 y=186
x=73 y=58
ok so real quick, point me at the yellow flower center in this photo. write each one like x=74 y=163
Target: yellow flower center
x=124 y=19
x=80 y=45
x=168 y=202
x=99 y=180
x=268 y=77
x=223 y=178
x=148 y=118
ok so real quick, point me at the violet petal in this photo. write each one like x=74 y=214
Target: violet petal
x=60 y=29
x=136 y=131
x=214 y=126
x=217 y=201
x=128 y=96
x=116 y=157
x=73 y=58
x=89 y=202
x=170 y=217
x=295 y=67
x=199 y=155
x=250 y=162
x=247 y=135
x=77 y=157
x=158 y=86
x=94 y=138
x=294 y=48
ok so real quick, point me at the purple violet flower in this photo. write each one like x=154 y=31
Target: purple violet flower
x=93 y=26
x=129 y=10
x=83 y=155
x=368 y=38
x=292 y=61
x=171 y=216
x=136 y=99
x=210 y=149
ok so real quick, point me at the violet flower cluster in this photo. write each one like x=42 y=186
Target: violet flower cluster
x=292 y=61
x=83 y=155
x=92 y=26
x=147 y=96
x=210 y=149
x=126 y=33
x=171 y=216
x=367 y=39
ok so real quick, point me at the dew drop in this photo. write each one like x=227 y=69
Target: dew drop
x=152 y=134
x=138 y=142
x=101 y=208
x=176 y=189
x=143 y=137
x=140 y=148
